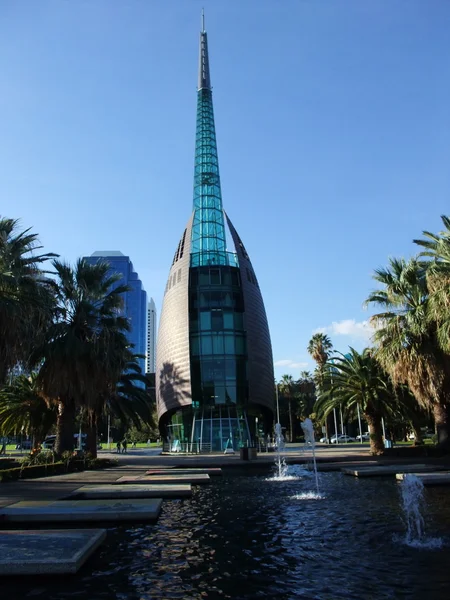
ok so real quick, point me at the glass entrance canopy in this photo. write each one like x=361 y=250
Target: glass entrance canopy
x=215 y=429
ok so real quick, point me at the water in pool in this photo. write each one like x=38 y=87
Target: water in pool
x=249 y=537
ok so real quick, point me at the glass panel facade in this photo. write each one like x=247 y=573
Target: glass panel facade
x=222 y=428
x=134 y=300
x=208 y=228
x=218 y=361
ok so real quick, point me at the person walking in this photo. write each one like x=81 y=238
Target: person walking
x=124 y=446
x=118 y=447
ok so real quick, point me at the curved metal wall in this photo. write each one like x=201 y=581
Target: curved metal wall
x=173 y=375
x=259 y=347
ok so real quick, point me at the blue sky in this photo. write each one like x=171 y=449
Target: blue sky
x=333 y=128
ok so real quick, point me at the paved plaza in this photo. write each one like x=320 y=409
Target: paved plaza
x=138 y=461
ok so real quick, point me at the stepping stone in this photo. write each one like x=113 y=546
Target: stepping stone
x=188 y=471
x=195 y=479
x=133 y=491
x=47 y=552
x=428 y=478
x=390 y=470
x=81 y=510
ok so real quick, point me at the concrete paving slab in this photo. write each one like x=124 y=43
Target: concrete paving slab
x=428 y=478
x=47 y=552
x=82 y=510
x=194 y=479
x=390 y=470
x=212 y=471
x=156 y=490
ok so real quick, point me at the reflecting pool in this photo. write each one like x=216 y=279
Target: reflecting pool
x=248 y=537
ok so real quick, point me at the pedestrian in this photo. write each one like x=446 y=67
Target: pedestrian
x=118 y=447
x=124 y=446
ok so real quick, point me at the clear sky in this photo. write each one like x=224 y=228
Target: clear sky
x=333 y=125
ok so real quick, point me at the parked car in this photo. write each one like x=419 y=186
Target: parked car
x=342 y=439
x=426 y=434
x=24 y=445
x=324 y=440
x=50 y=440
x=365 y=437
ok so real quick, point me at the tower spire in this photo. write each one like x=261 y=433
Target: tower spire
x=208 y=229
x=204 y=79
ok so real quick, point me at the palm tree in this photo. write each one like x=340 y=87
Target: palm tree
x=406 y=339
x=437 y=270
x=26 y=300
x=410 y=411
x=23 y=409
x=354 y=380
x=306 y=393
x=286 y=388
x=131 y=402
x=320 y=348
x=121 y=389
x=75 y=351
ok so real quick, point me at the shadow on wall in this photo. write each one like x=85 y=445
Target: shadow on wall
x=173 y=389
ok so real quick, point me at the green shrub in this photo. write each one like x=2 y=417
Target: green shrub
x=42 y=469
x=44 y=457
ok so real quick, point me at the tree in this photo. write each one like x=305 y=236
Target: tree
x=357 y=380
x=23 y=409
x=320 y=348
x=132 y=403
x=286 y=388
x=26 y=298
x=306 y=394
x=406 y=339
x=437 y=272
x=113 y=356
x=87 y=321
x=409 y=411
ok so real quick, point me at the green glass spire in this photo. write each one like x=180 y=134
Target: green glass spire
x=208 y=229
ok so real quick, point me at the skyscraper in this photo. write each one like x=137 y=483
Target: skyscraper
x=214 y=368
x=151 y=336
x=135 y=301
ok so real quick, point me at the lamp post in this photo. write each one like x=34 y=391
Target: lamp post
x=335 y=426
x=360 y=428
x=342 y=423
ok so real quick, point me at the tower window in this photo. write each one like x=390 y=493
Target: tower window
x=182 y=244
x=214 y=276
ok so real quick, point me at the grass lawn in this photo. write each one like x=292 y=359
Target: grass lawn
x=130 y=445
x=11 y=448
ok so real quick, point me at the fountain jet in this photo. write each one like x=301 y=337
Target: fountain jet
x=308 y=430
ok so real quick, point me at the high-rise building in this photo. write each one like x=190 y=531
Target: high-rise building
x=134 y=301
x=151 y=336
x=214 y=367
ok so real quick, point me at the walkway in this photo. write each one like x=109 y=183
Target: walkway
x=137 y=461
